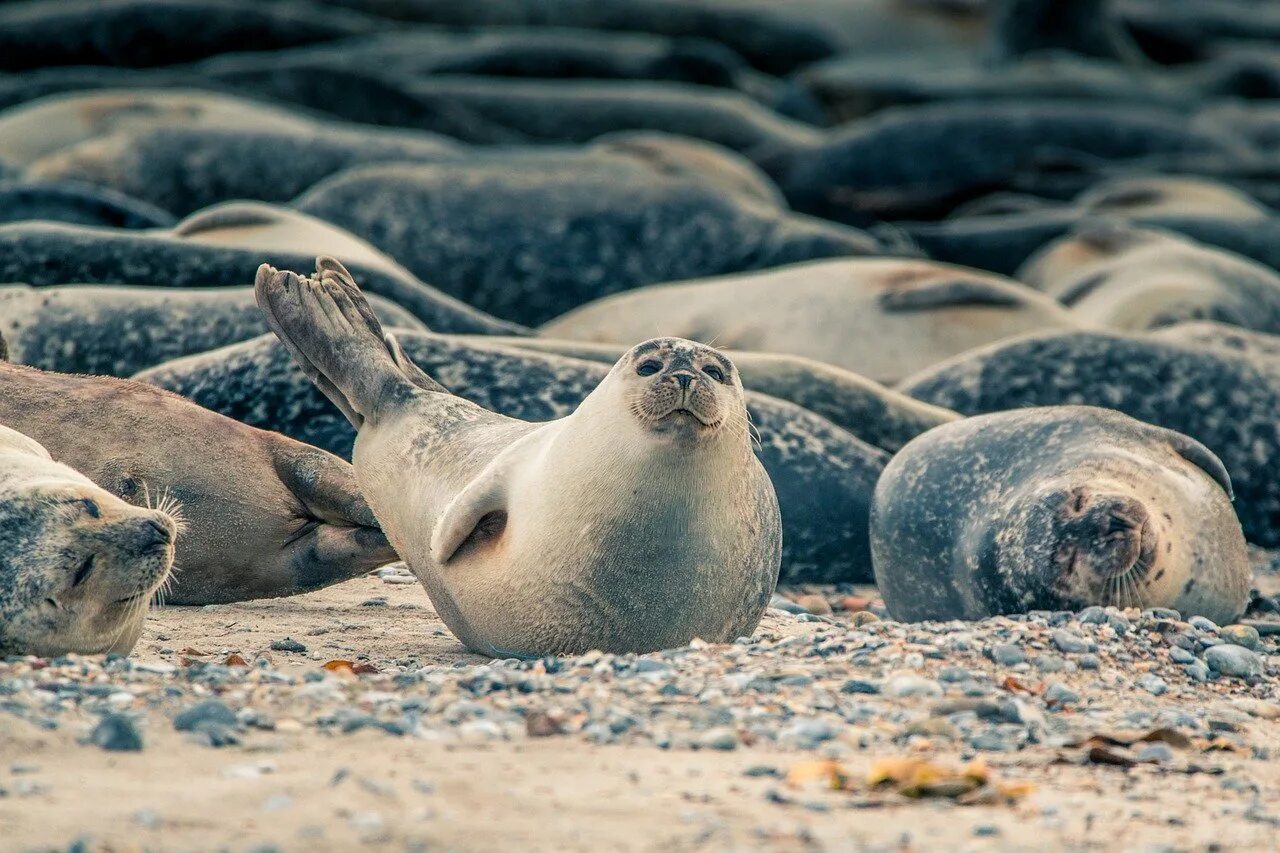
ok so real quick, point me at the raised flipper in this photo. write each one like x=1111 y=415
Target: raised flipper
x=480 y=509
x=1203 y=458
x=928 y=294
x=326 y=324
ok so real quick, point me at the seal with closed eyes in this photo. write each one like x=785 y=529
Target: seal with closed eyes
x=1056 y=508
x=638 y=522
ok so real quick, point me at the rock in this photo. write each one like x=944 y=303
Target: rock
x=208 y=711
x=719 y=738
x=857 y=685
x=1242 y=635
x=815 y=604
x=117 y=733
x=1089 y=662
x=1153 y=684
x=1058 y=693
x=1202 y=624
x=1233 y=660
x=1180 y=655
x=786 y=605
x=1007 y=654
x=1069 y=642
x=863 y=617
x=906 y=685
x=1197 y=671
x=1158 y=753
x=288 y=644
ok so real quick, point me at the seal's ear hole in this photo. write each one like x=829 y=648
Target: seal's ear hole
x=487 y=529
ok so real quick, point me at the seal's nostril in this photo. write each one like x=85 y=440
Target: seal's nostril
x=684 y=379
x=162 y=531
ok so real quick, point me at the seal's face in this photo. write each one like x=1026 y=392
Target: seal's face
x=78 y=568
x=681 y=389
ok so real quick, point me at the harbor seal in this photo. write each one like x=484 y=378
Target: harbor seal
x=1130 y=278
x=78 y=566
x=1226 y=400
x=883 y=318
x=78 y=203
x=527 y=245
x=639 y=522
x=823 y=475
x=265 y=516
x=118 y=331
x=1056 y=508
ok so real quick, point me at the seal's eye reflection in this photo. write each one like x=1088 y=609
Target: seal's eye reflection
x=714 y=372
x=648 y=368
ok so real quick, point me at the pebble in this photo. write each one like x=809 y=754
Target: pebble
x=719 y=738
x=117 y=733
x=288 y=644
x=1070 y=642
x=1244 y=636
x=815 y=604
x=1232 y=660
x=1007 y=654
x=1060 y=694
x=1181 y=655
x=906 y=685
x=209 y=712
x=1153 y=684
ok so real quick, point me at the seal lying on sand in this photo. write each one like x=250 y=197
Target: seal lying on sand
x=1227 y=400
x=78 y=566
x=637 y=523
x=884 y=318
x=1119 y=275
x=118 y=331
x=823 y=475
x=82 y=204
x=265 y=515
x=1056 y=509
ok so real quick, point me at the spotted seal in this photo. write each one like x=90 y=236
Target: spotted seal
x=264 y=515
x=1056 y=508
x=637 y=523
x=78 y=566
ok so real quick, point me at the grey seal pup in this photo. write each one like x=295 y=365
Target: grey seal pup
x=118 y=331
x=884 y=318
x=78 y=566
x=639 y=522
x=1056 y=508
x=1226 y=400
x=265 y=515
x=1125 y=277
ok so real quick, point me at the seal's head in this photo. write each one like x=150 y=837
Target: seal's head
x=681 y=389
x=78 y=566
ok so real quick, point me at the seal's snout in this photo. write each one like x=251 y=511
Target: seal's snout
x=684 y=379
x=155 y=532
x=1112 y=530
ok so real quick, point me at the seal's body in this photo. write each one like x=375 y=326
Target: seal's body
x=78 y=566
x=639 y=522
x=265 y=515
x=1056 y=509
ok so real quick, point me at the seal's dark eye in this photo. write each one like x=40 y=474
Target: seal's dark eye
x=648 y=368
x=714 y=372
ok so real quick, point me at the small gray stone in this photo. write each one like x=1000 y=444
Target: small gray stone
x=288 y=644
x=906 y=685
x=1060 y=694
x=117 y=733
x=1232 y=660
x=719 y=738
x=1160 y=753
x=1197 y=671
x=1007 y=654
x=1069 y=642
x=1242 y=635
x=1153 y=684
x=1089 y=662
x=208 y=711
x=1178 y=654
x=857 y=685
x=1094 y=615
x=1202 y=624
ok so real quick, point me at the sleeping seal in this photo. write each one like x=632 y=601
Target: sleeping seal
x=78 y=566
x=76 y=202
x=118 y=331
x=1125 y=277
x=1227 y=400
x=884 y=318
x=264 y=515
x=1056 y=509
x=637 y=523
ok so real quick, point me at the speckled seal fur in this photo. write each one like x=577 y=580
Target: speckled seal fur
x=824 y=475
x=638 y=522
x=1227 y=400
x=78 y=566
x=1056 y=508
x=264 y=515
x=118 y=331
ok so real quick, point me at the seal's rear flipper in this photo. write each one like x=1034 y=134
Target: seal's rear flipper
x=326 y=324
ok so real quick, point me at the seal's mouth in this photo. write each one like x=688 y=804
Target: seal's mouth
x=687 y=416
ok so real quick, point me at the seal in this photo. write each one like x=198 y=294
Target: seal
x=1168 y=195
x=265 y=515
x=44 y=253
x=79 y=203
x=1233 y=338
x=1056 y=508
x=637 y=523
x=1226 y=400
x=883 y=318
x=823 y=475
x=1131 y=278
x=78 y=566
x=118 y=331
x=528 y=245
x=880 y=416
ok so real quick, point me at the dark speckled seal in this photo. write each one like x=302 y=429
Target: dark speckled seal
x=1227 y=400
x=823 y=475
x=1056 y=508
x=77 y=203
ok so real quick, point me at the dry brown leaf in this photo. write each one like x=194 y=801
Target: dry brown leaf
x=830 y=774
x=193 y=653
x=235 y=660
x=1013 y=685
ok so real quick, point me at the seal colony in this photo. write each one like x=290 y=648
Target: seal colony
x=721 y=299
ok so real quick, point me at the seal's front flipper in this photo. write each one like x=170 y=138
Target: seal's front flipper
x=928 y=294
x=328 y=327
x=325 y=554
